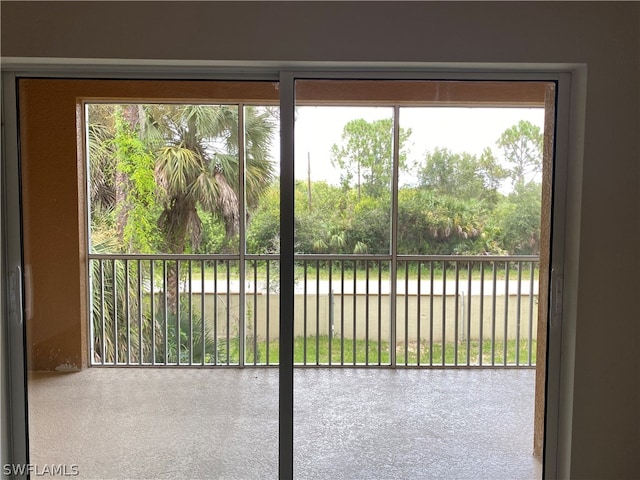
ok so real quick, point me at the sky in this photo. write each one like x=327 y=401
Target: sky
x=459 y=129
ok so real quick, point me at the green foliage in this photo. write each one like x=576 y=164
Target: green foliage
x=431 y=223
x=320 y=229
x=263 y=230
x=365 y=155
x=522 y=148
x=140 y=232
x=214 y=238
x=175 y=173
x=115 y=291
x=185 y=343
x=165 y=171
x=517 y=220
x=370 y=228
x=462 y=175
x=339 y=222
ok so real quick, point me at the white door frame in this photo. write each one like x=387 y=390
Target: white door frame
x=565 y=220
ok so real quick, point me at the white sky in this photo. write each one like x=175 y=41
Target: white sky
x=459 y=129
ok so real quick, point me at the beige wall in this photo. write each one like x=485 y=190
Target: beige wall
x=318 y=312
x=601 y=439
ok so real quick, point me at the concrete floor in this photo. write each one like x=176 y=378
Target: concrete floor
x=223 y=423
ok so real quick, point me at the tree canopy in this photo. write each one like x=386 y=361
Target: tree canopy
x=164 y=178
x=521 y=145
x=364 y=156
x=462 y=175
x=161 y=169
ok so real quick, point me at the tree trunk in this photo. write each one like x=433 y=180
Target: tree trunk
x=174 y=222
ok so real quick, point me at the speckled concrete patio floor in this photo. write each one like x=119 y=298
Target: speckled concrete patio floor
x=223 y=424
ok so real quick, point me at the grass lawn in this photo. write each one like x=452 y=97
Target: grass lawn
x=322 y=272
x=318 y=350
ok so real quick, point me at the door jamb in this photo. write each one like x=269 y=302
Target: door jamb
x=565 y=216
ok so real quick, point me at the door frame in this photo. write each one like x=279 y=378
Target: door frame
x=569 y=127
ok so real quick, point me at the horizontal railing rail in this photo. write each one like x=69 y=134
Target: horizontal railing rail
x=449 y=310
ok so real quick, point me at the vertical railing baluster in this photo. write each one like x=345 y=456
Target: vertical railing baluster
x=166 y=267
x=431 y=293
x=530 y=340
x=469 y=273
x=267 y=301
x=190 y=312
x=304 y=316
x=456 y=315
x=481 y=316
x=506 y=313
x=366 y=313
x=165 y=311
x=127 y=310
x=102 y=315
x=203 y=294
x=418 y=313
x=228 y=263
x=518 y=314
x=379 y=312
x=178 y=330
x=140 y=338
x=216 y=358
x=330 y=314
x=493 y=314
x=444 y=312
x=317 y=312
x=152 y=300
x=255 y=312
x=92 y=318
x=342 y=313
x=114 y=267
x=355 y=299
x=406 y=313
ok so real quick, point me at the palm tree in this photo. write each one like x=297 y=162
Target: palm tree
x=196 y=152
x=197 y=169
x=197 y=166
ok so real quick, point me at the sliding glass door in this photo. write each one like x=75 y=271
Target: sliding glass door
x=417 y=244
x=311 y=278
x=150 y=234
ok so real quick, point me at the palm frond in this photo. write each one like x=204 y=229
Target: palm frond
x=151 y=129
x=177 y=168
x=210 y=121
x=206 y=189
x=101 y=164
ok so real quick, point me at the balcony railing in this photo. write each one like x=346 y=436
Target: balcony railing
x=350 y=310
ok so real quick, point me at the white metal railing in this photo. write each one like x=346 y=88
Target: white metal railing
x=203 y=310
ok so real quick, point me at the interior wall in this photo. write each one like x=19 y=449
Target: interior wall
x=603 y=435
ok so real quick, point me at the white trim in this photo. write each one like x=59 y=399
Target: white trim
x=565 y=249
x=205 y=69
x=566 y=206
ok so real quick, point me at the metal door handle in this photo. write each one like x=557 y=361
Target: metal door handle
x=557 y=292
x=15 y=295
